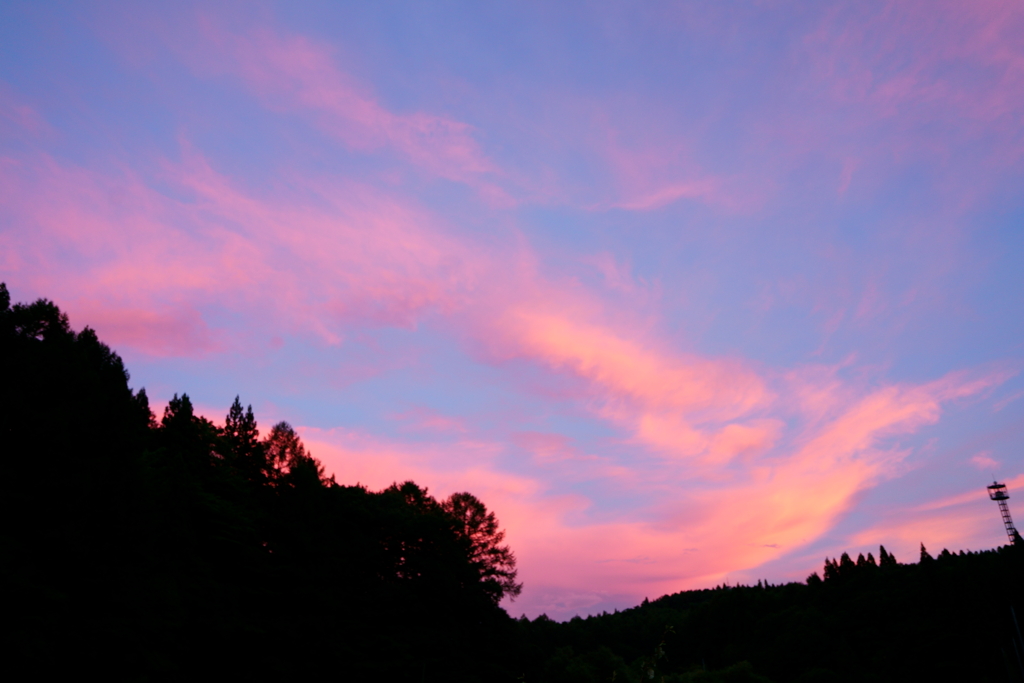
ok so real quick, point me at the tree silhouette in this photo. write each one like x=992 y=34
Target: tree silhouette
x=149 y=549
x=925 y=555
x=243 y=437
x=477 y=527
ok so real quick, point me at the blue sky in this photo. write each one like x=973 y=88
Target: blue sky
x=685 y=293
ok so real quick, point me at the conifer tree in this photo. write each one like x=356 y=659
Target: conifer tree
x=846 y=566
x=831 y=569
x=178 y=413
x=886 y=559
x=247 y=453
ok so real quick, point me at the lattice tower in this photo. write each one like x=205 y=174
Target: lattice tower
x=998 y=493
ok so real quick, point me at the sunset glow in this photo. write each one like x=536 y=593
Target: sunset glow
x=685 y=293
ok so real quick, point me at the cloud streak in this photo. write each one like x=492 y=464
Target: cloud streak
x=293 y=74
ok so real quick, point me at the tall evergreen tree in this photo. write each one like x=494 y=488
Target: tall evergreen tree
x=247 y=452
x=886 y=559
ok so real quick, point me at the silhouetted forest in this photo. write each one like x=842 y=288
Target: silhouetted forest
x=151 y=549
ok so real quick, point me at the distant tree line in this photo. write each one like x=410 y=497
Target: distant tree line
x=954 y=617
x=148 y=549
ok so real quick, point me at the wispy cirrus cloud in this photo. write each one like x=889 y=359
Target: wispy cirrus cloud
x=926 y=56
x=295 y=74
x=343 y=253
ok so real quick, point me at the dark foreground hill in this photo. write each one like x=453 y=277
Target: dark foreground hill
x=175 y=549
x=163 y=550
x=944 y=619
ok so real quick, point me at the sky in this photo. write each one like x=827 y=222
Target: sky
x=687 y=293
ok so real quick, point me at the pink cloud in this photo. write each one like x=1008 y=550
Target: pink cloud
x=869 y=78
x=926 y=61
x=984 y=461
x=656 y=162
x=165 y=333
x=788 y=499
x=385 y=261
x=653 y=170
x=630 y=370
x=292 y=73
x=357 y=257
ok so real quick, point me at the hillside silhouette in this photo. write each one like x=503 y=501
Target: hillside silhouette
x=171 y=548
x=158 y=548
